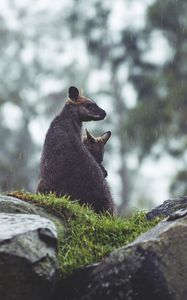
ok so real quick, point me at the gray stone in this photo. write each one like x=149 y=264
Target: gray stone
x=28 y=262
x=168 y=207
x=177 y=214
x=10 y=204
x=74 y=286
x=153 y=267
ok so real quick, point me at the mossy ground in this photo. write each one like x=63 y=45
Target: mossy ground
x=88 y=236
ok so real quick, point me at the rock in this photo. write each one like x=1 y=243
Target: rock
x=177 y=214
x=73 y=286
x=13 y=205
x=28 y=262
x=168 y=208
x=10 y=204
x=153 y=267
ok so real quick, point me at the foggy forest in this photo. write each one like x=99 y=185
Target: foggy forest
x=130 y=57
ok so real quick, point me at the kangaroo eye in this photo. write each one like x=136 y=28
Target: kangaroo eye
x=88 y=105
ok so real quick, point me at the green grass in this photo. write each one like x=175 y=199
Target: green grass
x=88 y=237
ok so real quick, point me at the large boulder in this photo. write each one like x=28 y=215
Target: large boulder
x=28 y=251
x=153 y=267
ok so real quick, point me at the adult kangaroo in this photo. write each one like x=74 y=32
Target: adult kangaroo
x=67 y=167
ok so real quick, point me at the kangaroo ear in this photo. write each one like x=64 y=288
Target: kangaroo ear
x=73 y=93
x=90 y=137
x=105 y=136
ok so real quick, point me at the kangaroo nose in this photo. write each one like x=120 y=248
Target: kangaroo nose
x=100 y=114
x=103 y=114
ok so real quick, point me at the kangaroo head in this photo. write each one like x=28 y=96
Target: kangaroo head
x=95 y=145
x=86 y=108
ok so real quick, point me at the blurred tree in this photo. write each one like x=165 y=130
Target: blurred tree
x=17 y=145
x=17 y=165
x=161 y=111
x=30 y=69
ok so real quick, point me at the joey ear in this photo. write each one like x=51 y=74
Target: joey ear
x=105 y=136
x=90 y=137
x=73 y=93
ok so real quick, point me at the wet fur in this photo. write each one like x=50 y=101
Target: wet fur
x=67 y=167
x=95 y=146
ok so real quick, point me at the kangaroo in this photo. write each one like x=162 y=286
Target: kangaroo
x=67 y=167
x=96 y=145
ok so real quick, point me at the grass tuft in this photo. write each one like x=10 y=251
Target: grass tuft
x=88 y=236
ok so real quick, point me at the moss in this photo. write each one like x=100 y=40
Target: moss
x=88 y=237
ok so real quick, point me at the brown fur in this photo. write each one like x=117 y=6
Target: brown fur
x=96 y=145
x=67 y=167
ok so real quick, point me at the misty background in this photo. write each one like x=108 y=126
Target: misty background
x=130 y=57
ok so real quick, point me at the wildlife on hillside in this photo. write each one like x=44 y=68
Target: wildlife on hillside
x=96 y=146
x=67 y=167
